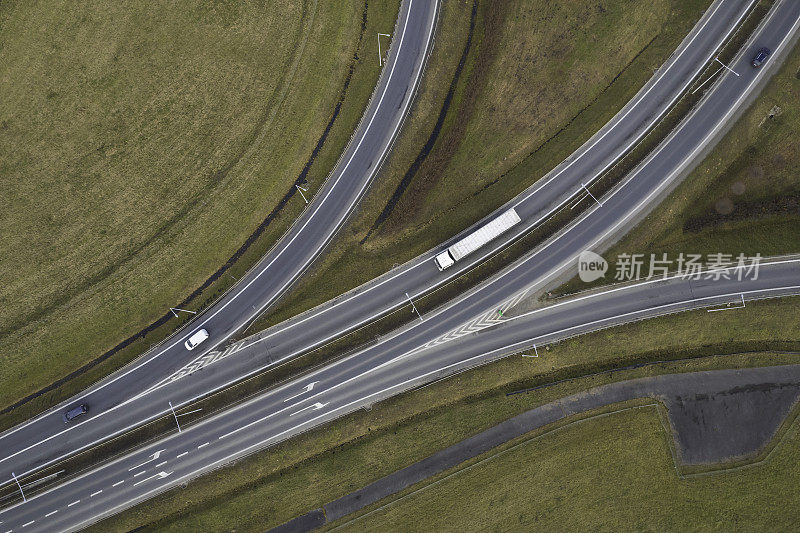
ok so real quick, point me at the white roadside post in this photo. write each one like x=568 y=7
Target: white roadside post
x=380 y=56
x=729 y=306
x=24 y=499
x=592 y=195
x=726 y=67
x=182 y=414
x=300 y=190
x=535 y=351
x=414 y=307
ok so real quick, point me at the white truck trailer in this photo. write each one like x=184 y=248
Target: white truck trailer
x=477 y=238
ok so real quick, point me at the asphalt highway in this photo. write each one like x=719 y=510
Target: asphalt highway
x=363 y=379
x=397 y=361
x=288 y=259
x=45 y=438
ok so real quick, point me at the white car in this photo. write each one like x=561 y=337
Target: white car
x=197 y=337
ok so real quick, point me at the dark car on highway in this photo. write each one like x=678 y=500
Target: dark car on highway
x=760 y=57
x=75 y=412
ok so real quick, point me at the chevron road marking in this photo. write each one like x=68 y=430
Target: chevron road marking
x=487 y=320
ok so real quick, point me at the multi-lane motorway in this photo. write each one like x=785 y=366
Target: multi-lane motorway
x=269 y=279
x=364 y=379
x=396 y=362
x=46 y=439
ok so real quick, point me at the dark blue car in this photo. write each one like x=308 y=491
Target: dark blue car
x=760 y=57
x=75 y=412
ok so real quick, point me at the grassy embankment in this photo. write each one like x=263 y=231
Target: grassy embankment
x=743 y=198
x=536 y=83
x=304 y=473
x=320 y=466
x=144 y=144
x=610 y=472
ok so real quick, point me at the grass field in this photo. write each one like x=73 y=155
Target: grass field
x=142 y=144
x=744 y=197
x=609 y=473
x=304 y=473
x=535 y=83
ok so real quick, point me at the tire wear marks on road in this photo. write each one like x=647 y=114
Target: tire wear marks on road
x=428 y=146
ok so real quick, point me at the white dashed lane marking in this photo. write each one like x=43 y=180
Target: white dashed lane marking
x=180 y=455
x=204 y=444
x=92 y=495
x=76 y=502
x=51 y=513
x=140 y=473
x=160 y=464
x=118 y=483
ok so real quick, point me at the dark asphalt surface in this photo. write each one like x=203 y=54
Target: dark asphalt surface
x=283 y=264
x=387 y=292
x=387 y=368
x=360 y=381
x=730 y=424
x=743 y=400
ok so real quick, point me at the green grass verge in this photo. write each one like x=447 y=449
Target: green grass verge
x=537 y=81
x=304 y=473
x=146 y=143
x=743 y=198
x=610 y=472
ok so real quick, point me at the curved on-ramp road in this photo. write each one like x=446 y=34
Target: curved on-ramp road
x=397 y=362
x=43 y=440
x=361 y=381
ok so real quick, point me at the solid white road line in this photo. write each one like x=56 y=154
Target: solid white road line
x=663 y=73
x=733 y=109
x=671 y=277
x=638 y=208
x=540 y=184
x=525 y=198
x=265 y=268
x=402 y=36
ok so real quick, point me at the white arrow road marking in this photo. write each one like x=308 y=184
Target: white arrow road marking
x=160 y=475
x=152 y=458
x=306 y=389
x=314 y=406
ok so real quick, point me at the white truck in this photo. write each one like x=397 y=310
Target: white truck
x=477 y=238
